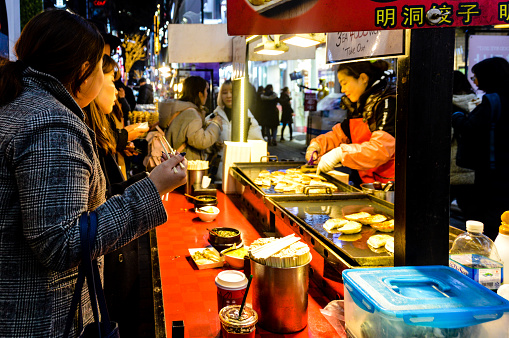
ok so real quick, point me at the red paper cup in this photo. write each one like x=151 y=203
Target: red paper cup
x=231 y=287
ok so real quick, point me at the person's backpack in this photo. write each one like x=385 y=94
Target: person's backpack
x=155 y=148
x=466 y=156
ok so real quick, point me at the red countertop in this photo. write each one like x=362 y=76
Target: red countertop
x=189 y=294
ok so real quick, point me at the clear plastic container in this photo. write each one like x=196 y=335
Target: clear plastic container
x=502 y=244
x=476 y=256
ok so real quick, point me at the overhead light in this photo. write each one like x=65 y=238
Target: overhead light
x=251 y=38
x=268 y=47
x=304 y=40
x=501 y=26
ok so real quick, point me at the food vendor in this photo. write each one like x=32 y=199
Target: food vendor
x=365 y=140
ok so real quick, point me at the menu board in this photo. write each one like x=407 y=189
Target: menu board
x=248 y=17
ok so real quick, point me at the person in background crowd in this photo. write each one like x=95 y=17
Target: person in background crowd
x=51 y=175
x=270 y=114
x=365 y=141
x=185 y=121
x=462 y=180
x=224 y=112
x=258 y=112
x=491 y=184
x=146 y=92
x=117 y=276
x=287 y=112
x=126 y=93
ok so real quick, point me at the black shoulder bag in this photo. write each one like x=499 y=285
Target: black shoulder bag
x=88 y=269
x=466 y=156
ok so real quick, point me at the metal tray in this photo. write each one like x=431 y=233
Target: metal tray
x=247 y=172
x=311 y=212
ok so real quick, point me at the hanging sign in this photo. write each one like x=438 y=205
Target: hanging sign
x=310 y=101
x=343 y=46
x=244 y=17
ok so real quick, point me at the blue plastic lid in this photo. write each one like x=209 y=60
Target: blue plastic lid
x=434 y=296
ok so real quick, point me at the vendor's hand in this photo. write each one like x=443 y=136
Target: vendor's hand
x=135 y=130
x=164 y=176
x=313 y=146
x=329 y=160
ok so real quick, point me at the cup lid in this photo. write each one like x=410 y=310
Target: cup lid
x=231 y=279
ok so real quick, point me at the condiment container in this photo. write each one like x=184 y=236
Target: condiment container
x=232 y=326
x=421 y=301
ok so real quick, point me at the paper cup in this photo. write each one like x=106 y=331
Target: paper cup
x=232 y=326
x=231 y=287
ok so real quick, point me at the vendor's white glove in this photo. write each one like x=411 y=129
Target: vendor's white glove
x=329 y=160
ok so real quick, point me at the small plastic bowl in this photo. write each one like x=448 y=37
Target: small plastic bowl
x=207 y=213
x=233 y=261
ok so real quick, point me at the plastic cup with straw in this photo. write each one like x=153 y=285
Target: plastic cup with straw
x=245 y=296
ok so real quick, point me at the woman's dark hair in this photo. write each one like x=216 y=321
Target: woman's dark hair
x=269 y=88
x=492 y=74
x=55 y=42
x=284 y=90
x=374 y=70
x=192 y=86
x=460 y=84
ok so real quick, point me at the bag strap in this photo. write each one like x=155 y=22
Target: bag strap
x=89 y=269
x=494 y=100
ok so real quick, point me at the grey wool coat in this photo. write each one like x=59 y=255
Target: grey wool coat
x=189 y=127
x=49 y=176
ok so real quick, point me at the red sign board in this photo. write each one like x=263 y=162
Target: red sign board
x=310 y=101
x=286 y=17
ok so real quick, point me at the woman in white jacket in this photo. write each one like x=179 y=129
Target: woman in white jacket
x=224 y=111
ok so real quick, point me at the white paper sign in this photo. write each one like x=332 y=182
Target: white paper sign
x=343 y=46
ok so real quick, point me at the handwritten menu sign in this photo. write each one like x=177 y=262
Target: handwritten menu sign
x=343 y=46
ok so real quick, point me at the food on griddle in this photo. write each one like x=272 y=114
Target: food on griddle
x=372 y=219
x=292 y=180
x=378 y=241
x=349 y=237
x=206 y=256
x=358 y=215
x=389 y=246
x=336 y=225
x=283 y=252
x=387 y=226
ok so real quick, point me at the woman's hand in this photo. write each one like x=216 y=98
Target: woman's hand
x=135 y=130
x=169 y=175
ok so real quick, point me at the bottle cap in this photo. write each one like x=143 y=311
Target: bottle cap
x=475 y=226
x=504 y=229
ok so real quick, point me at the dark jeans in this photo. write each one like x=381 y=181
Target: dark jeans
x=270 y=133
x=289 y=124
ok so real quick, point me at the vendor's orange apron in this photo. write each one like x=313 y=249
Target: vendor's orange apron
x=359 y=133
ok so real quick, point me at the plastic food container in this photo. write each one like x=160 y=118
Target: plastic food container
x=424 y=301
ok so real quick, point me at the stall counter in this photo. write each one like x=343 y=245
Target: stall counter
x=189 y=294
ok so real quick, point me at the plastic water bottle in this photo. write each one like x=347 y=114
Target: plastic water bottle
x=502 y=244
x=476 y=256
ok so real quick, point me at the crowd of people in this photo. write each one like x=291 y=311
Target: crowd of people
x=65 y=146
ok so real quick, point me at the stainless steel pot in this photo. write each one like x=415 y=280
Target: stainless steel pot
x=280 y=297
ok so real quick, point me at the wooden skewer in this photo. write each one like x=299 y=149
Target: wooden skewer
x=172 y=150
x=166 y=152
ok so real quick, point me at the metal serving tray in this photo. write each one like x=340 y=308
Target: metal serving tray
x=311 y=212
x=247 y=172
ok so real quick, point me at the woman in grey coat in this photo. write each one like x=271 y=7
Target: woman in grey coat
x=185 y=121
x=50 y=174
